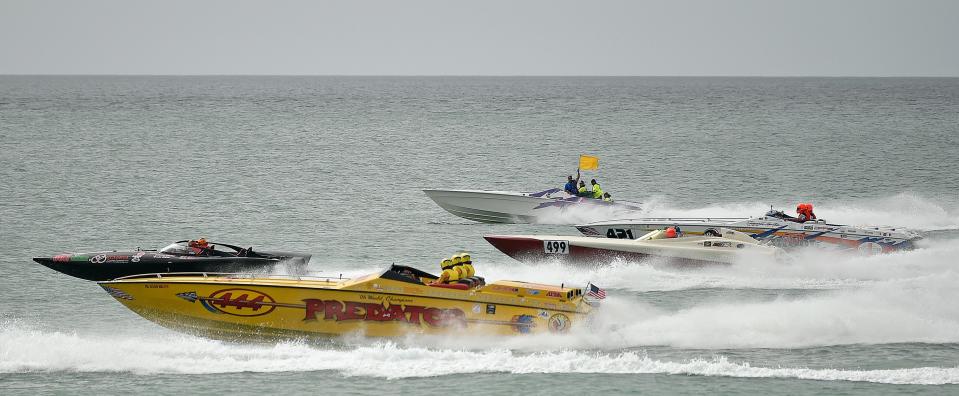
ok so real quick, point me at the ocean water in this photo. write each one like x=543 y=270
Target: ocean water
x=334 y=166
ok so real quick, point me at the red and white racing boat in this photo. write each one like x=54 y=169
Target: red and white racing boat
x=775 y=227
x=729 y=247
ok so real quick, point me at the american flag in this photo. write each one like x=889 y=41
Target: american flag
x=595 y=292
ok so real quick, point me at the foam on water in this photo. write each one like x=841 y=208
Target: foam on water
x=805 y=269
x=580 y=214
x=908 y=210
x=915 y=311
x=25 y=350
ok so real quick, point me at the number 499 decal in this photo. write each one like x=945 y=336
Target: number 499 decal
x=556 y=247
x=619 y=233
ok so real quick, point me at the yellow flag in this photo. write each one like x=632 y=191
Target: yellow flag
x=587 y=162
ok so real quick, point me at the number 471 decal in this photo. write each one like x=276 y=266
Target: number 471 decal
x=556 y=247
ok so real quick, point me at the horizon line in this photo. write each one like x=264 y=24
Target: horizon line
x=469 y=75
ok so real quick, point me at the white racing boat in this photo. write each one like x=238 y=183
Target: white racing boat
x=553 y=206
x=727 y=248
x=777 y=227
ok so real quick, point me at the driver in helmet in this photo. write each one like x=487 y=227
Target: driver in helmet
x=805 y=213
x=200 y=246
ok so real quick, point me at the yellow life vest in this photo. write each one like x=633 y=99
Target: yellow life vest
x=470 y=271
x=451 y=275
x=583 y=191
x=597 y=191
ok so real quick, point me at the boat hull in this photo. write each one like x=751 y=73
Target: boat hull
x=587 y=250
x=779 y=233
x=100 y=266
x=548 y=207
x=243 y=309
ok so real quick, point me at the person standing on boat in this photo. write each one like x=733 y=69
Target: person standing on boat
x=571 y=183
x=597 y=191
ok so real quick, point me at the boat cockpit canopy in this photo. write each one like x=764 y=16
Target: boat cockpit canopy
x=182 y=248
x=779 y=215
x=178 y=248
x=407 y=274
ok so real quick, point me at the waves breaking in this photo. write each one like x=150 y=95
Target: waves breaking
x=25 y=350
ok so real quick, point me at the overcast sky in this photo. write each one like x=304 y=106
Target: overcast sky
x=482 y=37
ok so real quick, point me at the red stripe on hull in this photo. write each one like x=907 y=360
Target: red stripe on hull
x=530 y=250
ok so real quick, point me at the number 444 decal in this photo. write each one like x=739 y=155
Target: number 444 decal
x=619 y=233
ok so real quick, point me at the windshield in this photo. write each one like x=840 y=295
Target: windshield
x=179 y=248
x=778 y=214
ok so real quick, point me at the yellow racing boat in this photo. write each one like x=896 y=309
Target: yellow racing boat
x=394 y=302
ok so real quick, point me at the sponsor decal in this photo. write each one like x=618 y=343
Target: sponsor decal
x=381 y=297
x=558 y=323
x=543 y=314
x=79 y=257
x=61 y=258
x=189 y=296
x=239 y=302
x=412 y=290
x=118 y=258
x=503 y=288
x=117 y=293
x=523 y=324
x=870 y=248
x=98 y=259
x=490 y=309
x=136 y=257
x=532 y=292
x=378 y=312
x=477 y=308
x=589 y=231
x=554 y=294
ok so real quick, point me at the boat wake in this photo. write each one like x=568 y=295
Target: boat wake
x=908 y=210
x=27 y=350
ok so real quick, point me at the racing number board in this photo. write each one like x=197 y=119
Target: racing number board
x=556 y=247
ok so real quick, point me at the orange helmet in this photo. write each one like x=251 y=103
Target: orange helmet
x=202 y=242
x=670 y=232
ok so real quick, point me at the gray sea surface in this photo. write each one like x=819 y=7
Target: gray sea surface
x=335 y=166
